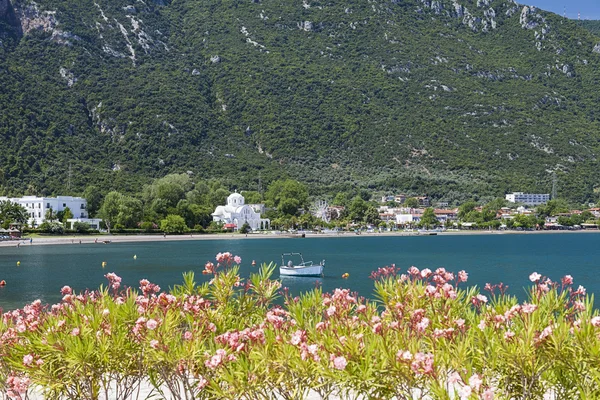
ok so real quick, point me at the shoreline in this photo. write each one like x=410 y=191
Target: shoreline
x=75 y=240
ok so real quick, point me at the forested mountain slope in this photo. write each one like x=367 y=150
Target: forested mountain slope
x=451 y=98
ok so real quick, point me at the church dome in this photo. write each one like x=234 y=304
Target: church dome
x=235 y=199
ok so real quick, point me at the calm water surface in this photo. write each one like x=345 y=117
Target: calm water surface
x=490 y=258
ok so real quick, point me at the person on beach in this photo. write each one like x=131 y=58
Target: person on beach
x=96 y=240
x=30 y=240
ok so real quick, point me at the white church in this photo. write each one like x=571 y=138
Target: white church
x=236 y=213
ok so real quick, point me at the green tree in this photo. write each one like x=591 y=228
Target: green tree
x=130 y=212
x=552 y=208
x=65 y=215
x=289 y=206
x=81 y=227
x=357 y=209
x=173 y=224
x=167 y=191
x=411 y=202
x=245 y=228
x=465 y=209
x=109 y=211
x=252 y=197
x=429 y=219
x=50 y=215
x=372 y=215
x=340 y=199
x=288 y=192
x=93 y=197
x=11 y=213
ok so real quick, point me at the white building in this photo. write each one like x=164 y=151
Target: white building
x=528 y=198
x=236 y=214
x=38 y=206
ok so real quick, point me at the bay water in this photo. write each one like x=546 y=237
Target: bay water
x=493 y=258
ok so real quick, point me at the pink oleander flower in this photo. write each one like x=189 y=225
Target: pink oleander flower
x=534 y=277
x=595 y=321
x=580 y=290
x=114 y=280
x=430 y=290
x=482 y=325
x=454 y=377
x=414 y=271
x=202 y=382
x=151 y=324
x=509 y=335
x=422 y=364
x=528 y=308
x=425 y=273
x=66 y=290
x=464 y=392
x=422 y=325
x=16 y=386
x=579 y=306
x=75 y=332
x=154 y=344
x=488 y=394
x=404 y=355
x=331 y=311
x=105 y=312
x=340 y=363
x=209 y=268
x=463 y=276
x=27 y=360
x=567 y=280
x=298 y=337
x=475 y=382
x=187 y=335
x=237 y=260
x=39 y=362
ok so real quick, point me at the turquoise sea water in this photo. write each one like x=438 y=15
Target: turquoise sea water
x=490 y=258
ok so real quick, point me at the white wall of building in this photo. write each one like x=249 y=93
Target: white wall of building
x=38 y=206
x=531 y=199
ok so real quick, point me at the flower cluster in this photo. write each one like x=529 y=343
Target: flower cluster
x=425 y=334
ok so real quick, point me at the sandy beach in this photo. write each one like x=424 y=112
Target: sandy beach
x=109 y=239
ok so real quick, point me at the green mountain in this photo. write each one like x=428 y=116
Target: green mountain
x=454 y=98
x=591 y=25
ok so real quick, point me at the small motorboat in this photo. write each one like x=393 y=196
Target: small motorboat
x=303 y=268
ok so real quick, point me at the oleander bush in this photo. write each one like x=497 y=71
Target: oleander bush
x=425 y=336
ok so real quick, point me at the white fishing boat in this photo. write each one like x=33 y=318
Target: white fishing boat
x=303 y=268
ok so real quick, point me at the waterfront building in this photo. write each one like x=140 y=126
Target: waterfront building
x=236 y=213
x=37 y=207
x=528 y=198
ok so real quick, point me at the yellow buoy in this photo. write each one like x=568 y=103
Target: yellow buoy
x=346 y=275
x=18 y=263
x=135 y=257
x=103 y=264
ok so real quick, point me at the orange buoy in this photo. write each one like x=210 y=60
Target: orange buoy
x=2 y=282
x=346 y=275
